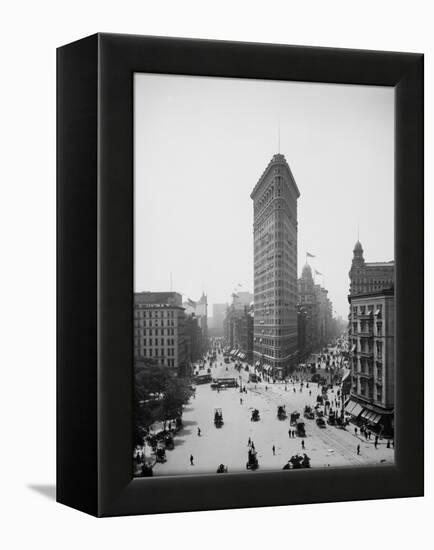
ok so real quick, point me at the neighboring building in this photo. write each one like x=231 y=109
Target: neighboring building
x=307 y=308
x=218 y=317
x=193 y=339
x=369 y=277
x=200 y=310
x=303 y=325
x=239 y=330
x=372 y=338
x=371 y=334
x=159 y=328
x=325 y=316
x=275 y=268
x=315 y=315
x=242 y=299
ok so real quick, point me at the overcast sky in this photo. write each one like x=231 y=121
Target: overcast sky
x=201 y=145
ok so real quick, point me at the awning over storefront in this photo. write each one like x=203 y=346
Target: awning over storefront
x=349 y=406
x=353 y=408
x=357 y=410
x=371 y=416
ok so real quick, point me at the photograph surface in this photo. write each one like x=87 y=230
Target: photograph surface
x=264 y=317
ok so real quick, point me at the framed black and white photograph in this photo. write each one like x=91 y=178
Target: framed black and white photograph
x=239 y=228
x=247 y=356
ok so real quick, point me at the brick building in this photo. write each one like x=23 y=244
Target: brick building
x=159 y=328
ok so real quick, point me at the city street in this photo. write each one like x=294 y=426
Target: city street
x=228 y=445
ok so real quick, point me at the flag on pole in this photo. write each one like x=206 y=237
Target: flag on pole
x=309 y=255
x=317 y=272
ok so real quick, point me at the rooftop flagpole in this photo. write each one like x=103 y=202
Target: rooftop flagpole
x=278 y=136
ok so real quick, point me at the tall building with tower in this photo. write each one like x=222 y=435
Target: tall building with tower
x=275 y=268
x=371 y=334
x=316 y=326
x=369 y=276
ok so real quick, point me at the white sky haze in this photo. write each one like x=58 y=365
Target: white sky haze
x=201 y=145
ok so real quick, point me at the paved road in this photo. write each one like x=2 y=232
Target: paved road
x=329 y=447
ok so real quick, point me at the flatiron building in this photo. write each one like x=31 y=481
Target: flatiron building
x=275 y=268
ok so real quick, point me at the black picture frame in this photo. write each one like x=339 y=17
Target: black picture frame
x=95 y=273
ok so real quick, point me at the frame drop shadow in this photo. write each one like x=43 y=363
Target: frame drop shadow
x=48 y=491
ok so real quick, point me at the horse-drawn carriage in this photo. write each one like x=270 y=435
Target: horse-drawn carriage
x=218 y=418
x=255 y=416
x=160 y=454
x=297 y=461
x=281 y=412
x=308 y=412
x=320 y=422
x=301 y=430
x=252 y=460
x=294 y=418
x=168 y=441
x=332 y=418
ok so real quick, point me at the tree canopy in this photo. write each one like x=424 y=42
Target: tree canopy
x=159 y=395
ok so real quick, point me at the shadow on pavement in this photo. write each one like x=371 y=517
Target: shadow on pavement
x=189 y=423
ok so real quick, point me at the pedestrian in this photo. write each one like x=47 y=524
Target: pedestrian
x=289 y=433
x=310 y=392
x=358 y=449
x=249 y=442
x=355 y=431
x=274 y=450
x=293 y=433
x=241 y=400
x=388 y=444
x=376 y=441
x=198 y=432
x=302 y=444
x=191 y=460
